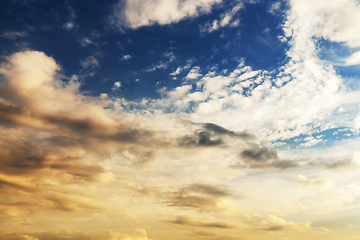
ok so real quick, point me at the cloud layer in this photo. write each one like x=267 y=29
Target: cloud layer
x=201 y=161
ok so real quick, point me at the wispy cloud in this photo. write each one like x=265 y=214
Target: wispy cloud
x=70 y=24
x=162 y=64
x=226 y=19
x=89 y=62
x=13 y=35
x=86 y=41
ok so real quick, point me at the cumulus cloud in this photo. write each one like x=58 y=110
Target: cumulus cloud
x=179 y=92
x=194 y=73
x=135 y=14
x=352 y=162
x=180 y=69
x=354 y=59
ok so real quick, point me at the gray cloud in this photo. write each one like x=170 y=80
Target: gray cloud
x=220 y=130
x=259 y=154
x=204 y=197
x=194 y=223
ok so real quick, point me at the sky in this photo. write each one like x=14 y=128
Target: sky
x=179 y=119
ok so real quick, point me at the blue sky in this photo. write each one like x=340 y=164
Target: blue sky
x=215 y=118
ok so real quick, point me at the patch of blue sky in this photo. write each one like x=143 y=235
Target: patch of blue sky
x=318 y=138
x=336 y=54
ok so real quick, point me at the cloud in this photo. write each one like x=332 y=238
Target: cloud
x=116 y=86
x=13 y=35
x=138 y=234
x=180 y=69
x=192 y=222
x=278 y=105
x=257 y=156
x=194 y=73
x=86 y=41
x=162 y=65
x=204 y=197
x=17 y=237
x=354 y=59
x=70 y=24
x=126 y=57
x=336 y=21
x=272 y=223
x=275 y=7
x=177 y=71
x=309 y=180
x=179 y=92
x=64 y=153
x=352 y=162
x=226 y=19
x=331 y=198
x=139 y=13
x=89 y=62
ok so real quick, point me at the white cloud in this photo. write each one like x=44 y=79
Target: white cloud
x=311 y=141
x=248 y=100
x=179 y=92
x=69 y=25
x=226 y=19
x=194 y=73
x=335 y=20
x=275 y=7
x=138 y=13
x=116 y=86
x=297 y=99
x=177 y=71
x=126 y=57
x=354 y=59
